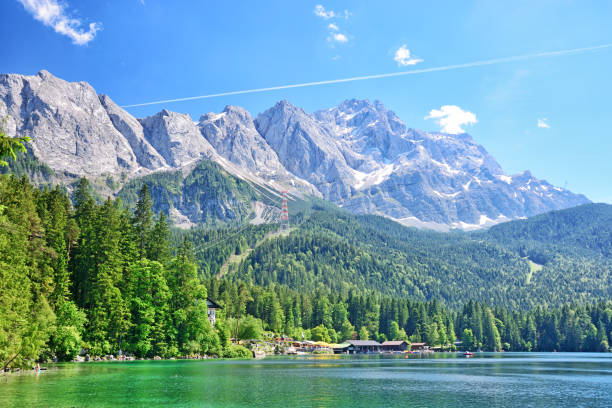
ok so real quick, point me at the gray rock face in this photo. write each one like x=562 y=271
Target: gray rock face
x=358 y=154
x=70 y=129
x=367 y=131
x=233 y=135
x=432 y=179
x=176 y=138
x=306 y=147
x=132 y=130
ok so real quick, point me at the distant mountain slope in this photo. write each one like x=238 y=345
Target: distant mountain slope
x=439 y=179
x=358 y=154
x=340 y=252
x=585 y=229
x=205 y=195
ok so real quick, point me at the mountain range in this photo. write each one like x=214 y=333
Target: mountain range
x=358 y=155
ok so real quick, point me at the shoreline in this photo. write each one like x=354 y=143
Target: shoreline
x=315 y=355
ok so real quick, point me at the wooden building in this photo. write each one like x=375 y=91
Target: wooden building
x=341 y=348
x=362 y=346
x=419 y=347
x=395 y=345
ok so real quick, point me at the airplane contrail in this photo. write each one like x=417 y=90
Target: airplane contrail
x=388 y=75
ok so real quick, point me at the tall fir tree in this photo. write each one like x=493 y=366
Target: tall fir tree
x=143 y=219
x=158 y=246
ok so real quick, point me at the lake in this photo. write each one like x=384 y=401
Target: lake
x=487 y=380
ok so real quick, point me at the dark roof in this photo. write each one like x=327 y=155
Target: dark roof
x=394 y=342
x=363 y=342
x=212 y=304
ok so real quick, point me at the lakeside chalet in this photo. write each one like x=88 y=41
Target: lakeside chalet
x=371 y=346
x=395 y=346
x=362 y=346
x=419 y=347
x=212 y=310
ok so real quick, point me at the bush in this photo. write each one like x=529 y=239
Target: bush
x=250 y=328
x=234 y=351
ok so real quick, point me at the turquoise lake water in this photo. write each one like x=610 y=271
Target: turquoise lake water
x=487 y=380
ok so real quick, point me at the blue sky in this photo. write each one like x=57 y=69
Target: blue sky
x=549 y=115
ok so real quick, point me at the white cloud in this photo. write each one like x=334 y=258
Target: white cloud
x=324 y=14
x=337 y=37
x=542 y=123
x=320 y=11
x=403 y=58
x=53 y=14
x=451 y=118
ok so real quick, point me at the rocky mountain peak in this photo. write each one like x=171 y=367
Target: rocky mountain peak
x=523 y=176
x=176 y=138
x=305 y=147
x=44 y=74
x=237 y=110
x=239 y=114
x=70 y=129
x=284 y=107
x=358 y=154
x=132 y=130
x=233 y=135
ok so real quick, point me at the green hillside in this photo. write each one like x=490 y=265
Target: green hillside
x=339 y=252
x=580 y=231
x=207 y=195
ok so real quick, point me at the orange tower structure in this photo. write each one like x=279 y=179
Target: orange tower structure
x=284 y=220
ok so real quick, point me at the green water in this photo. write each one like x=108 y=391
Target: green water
x=487 y=380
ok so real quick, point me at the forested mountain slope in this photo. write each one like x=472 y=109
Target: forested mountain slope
x=207 y=195
x=584 y=230
x=336 y=251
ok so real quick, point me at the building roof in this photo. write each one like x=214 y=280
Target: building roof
x=418 y=344
x=394 y=342
x=212 y=304
x=363 y=342
x=340 y=346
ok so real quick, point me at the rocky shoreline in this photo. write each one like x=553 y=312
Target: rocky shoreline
x=110 y=357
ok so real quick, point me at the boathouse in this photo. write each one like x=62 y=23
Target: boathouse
x=363 y=346
x=395 y=345
x=419 y=347
x=341 y=348
x=212 y=310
